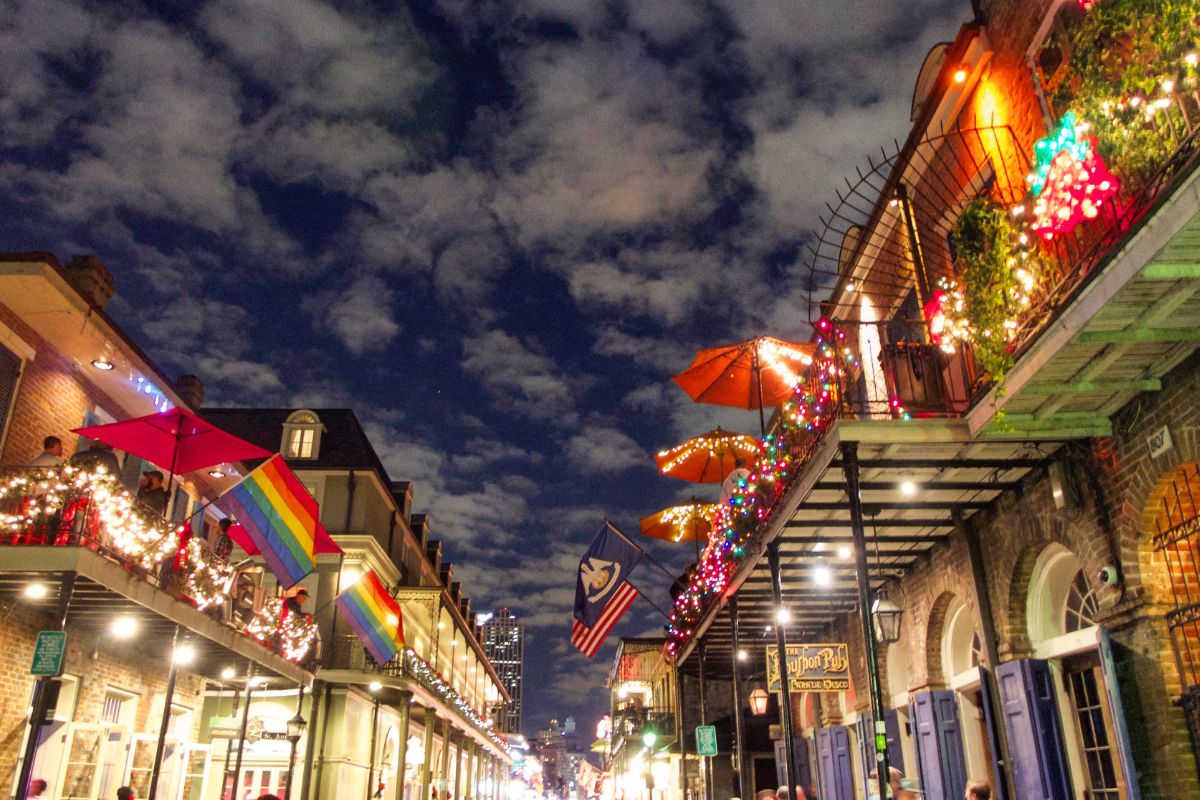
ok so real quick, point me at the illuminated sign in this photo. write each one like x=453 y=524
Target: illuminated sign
x=811 y=668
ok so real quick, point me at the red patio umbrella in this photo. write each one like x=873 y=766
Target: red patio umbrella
x=175 y=439
x=752 y=374
x=322 y=543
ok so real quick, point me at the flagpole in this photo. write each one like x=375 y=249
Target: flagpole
x=654 y=605
x=640 y=549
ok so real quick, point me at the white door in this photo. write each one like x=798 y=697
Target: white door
x=196 y=761
x=141 y=763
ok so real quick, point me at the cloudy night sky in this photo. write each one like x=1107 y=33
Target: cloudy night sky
x=494 y=228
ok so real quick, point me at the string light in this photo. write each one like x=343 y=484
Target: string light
x=1070 y=180
x=714 y=446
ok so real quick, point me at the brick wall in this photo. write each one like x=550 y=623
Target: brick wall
x=99 y=664
x=51 y=399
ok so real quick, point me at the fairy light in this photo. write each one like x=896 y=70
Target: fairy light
x=713 y=446
x=1072 y=182
x=275 y=625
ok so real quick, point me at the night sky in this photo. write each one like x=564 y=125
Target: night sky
x=494 y=228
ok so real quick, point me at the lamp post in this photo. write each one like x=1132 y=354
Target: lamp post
x=296 y=726
x=887 y=618
x=758 y=701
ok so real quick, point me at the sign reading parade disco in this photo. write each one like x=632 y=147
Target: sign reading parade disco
x=811 y=668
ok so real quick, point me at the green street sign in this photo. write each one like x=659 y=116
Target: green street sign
x=48 y=654
x=706 y=740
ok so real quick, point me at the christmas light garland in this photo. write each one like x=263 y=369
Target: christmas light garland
x=432 y=680
x=808 y=413
x=277 y=626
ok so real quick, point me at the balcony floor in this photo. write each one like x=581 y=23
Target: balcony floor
x=104 y=591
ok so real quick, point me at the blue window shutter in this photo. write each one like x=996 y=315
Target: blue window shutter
x=1034 y=731
x=895 y=752
x=833 y=753
x=866 y=750
x=925 y=735
x=993 y=733
x=950 y=746
x=803 y=770
x=1123 y=743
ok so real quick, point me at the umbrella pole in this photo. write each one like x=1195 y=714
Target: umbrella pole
x=174 y=463
x=756 y=371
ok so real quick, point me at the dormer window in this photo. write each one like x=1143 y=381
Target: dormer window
x=302 y=435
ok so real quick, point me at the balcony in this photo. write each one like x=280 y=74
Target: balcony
x=631 y=723
x=131 y=561
x=1061 y=328
x=349 y=662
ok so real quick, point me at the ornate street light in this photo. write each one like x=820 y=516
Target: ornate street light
x=887 y=619
x=758 y=701
x=296 y=726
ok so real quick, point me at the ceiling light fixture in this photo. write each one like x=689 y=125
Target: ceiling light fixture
x=227 y=674
x=822 y=575
x=743 y=655
x=216 y=473
x=844 y=552
x=124 y=627
x=783 y=616
x=36 y=591
x=908 y=488
x=374 y=686
x=102 y=364
x=960 y=75
x=185 y=654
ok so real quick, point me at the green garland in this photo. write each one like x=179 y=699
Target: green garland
x=1123 y=53
x=988 y=248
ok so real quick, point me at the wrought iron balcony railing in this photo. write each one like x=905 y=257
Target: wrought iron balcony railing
x=85 y=507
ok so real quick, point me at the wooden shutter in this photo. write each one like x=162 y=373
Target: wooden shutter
x=803 y=776
x=837 y=772
x=939 y=745
x=993 y=732
x=1035 y=743
x=1124 y=746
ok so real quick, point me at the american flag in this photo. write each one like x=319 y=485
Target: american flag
x=588 y=640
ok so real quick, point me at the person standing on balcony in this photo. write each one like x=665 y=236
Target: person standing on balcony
x=732 y=482
x=51 y=455
x=98 y=455
x=151 y=492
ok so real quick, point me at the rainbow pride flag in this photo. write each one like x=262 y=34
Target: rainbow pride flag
x=280 y=516
x=374 y=615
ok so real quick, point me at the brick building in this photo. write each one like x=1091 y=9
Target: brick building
x=64 y=364
x=1019 y=478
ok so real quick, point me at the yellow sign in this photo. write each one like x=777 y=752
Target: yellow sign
x=811 y=668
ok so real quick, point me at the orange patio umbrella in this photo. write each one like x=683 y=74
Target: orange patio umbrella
x=707 y=458
x=687 y=522
x=752 y=374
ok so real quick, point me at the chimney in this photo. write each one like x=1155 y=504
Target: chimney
x=456 y=593
x=433 y=552
x=93 y=280
x=190 y=390
x=403 y=493
x=445 y=572
x=420 y=527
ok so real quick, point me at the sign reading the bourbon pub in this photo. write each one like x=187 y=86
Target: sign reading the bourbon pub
x=811 y=668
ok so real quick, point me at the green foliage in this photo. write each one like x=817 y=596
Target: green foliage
x=985 y=241
x=1123 y=49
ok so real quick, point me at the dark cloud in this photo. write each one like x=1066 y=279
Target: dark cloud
x=493 y=227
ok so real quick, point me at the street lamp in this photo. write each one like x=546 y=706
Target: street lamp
x=887 y=619
x=758 y=701
x=296 y=726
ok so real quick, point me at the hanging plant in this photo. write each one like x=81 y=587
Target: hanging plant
x=1127 y=61
x=997 y=272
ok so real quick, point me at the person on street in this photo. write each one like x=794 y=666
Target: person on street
x=223 y=546
x=37 y=788
x=51 y=455
x=978 y=790
x=730 y=487
x=765 y=794
x=125 y=793
x=151 y=492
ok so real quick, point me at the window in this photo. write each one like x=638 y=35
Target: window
x=117 y=708
x=1081 y=605
x=302 y=435
x=1090 y=711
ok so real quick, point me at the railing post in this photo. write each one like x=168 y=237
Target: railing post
x=854 y=495
x=41 y=696
x=785 y=695
x=739 y=724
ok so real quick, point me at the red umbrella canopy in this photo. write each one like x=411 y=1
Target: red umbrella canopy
x=322 y=543
x=752 y=374
x=176 y=440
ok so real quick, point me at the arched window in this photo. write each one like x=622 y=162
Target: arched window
x=1081 y=607
x=302 y=435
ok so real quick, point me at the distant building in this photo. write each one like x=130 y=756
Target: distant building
x=504 y=643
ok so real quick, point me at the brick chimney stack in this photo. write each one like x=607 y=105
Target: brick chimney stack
x=91 y=278
x=190 y=390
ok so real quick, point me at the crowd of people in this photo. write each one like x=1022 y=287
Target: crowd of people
x=899 y=788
